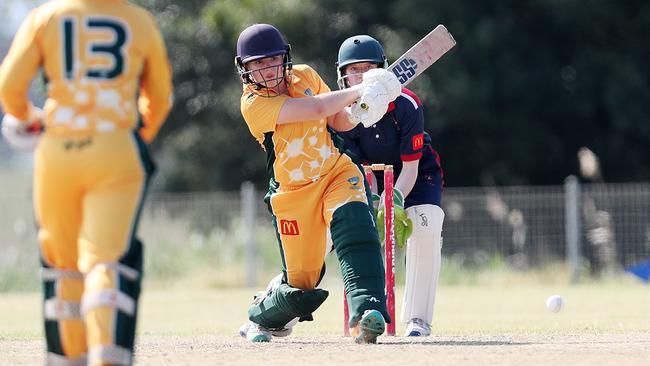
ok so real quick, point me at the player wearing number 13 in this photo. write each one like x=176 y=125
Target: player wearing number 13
x=105 y=63
x=399 y=139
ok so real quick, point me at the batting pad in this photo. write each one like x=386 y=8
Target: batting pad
x=284 y=304
x=357 y=247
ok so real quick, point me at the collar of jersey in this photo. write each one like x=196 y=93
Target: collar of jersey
x=295 y=79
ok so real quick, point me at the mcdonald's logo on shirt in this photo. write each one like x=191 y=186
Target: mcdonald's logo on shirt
x=289 y=227
x=418 y=141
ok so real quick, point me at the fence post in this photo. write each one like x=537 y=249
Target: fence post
x=249 y=214
x=572 y=225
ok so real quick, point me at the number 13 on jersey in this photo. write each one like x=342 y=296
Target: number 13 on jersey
x=99 y=41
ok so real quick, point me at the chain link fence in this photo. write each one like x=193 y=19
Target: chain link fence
x=527 y=226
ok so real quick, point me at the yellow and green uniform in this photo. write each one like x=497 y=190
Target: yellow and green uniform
x=105 y=64
x=314 y=187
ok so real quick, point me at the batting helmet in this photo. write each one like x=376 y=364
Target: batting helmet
x=361 y=48
x=260 y=41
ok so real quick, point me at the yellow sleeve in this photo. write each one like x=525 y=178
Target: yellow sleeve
x=261 y=113
x=19 y=68
x=155 y=98
x=318 y=82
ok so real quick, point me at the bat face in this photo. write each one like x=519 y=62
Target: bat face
x=422 y=55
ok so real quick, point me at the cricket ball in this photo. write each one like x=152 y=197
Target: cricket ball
x=554 y=303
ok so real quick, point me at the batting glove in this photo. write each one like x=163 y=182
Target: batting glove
x=402 y=225
x=387 y=79
x=371 y=106
x=23 y=135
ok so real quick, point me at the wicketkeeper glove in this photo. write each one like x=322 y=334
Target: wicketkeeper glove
x=402 y=225
x=23 y=135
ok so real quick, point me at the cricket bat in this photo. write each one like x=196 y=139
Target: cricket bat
x=422 y=55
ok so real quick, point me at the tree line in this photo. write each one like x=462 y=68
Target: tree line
x=529 y=83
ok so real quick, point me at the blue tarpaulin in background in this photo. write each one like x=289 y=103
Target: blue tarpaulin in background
x=641 y=270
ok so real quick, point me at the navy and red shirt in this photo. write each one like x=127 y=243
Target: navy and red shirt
x=399 y=136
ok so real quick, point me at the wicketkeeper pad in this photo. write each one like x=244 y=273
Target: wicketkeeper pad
x=423 y=259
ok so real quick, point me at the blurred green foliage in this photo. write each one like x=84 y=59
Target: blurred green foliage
x=529 y=83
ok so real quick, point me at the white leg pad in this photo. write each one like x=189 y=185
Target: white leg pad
x=423 y=257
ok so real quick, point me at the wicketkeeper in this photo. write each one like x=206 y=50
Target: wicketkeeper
x=105 y=63
x=314 y=185
x=399 y=139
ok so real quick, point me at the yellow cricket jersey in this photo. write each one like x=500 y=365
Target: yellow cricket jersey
x=98 y=56
x=299 y=152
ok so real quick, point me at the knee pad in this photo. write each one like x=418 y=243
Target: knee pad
x=64 y=329
x=284 y=304
x=427 y=221
x=355 y=239
x=423 y=259
x=109 y=306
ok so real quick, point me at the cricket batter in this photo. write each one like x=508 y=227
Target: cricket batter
x=105 y=63
x=399 y=139
x=314 y=186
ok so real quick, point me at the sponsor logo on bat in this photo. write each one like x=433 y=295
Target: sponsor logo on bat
x=405 y=70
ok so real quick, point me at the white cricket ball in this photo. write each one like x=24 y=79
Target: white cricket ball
x=554 y=303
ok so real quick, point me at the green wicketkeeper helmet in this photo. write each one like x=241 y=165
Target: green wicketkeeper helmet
x=361 y=48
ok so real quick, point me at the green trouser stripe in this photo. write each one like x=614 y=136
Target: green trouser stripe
x=273 y=188
x=274 y=221
x=133 y=258
x=269 y=147
x=52 y=334
x=125 y=324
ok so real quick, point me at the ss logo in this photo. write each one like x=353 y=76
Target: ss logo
x=405 y=70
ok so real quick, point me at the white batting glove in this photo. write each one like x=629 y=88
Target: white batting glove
x=23 y=135
x=371 y=106
x=387 y=79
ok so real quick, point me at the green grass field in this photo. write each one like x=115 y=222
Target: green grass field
x=190 y=322
x=188 y=308
x=460 y=310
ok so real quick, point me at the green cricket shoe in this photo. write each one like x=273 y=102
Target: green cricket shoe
x=371 y=326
